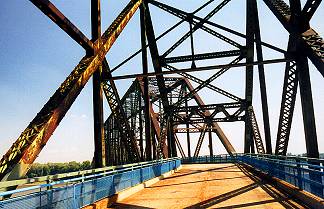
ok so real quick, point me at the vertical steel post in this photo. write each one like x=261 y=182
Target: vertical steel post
x=140 y=121
x=309 y=120
x=147 y=118
x=169 y=136
x=307 y=107
x=263 y=87
x=304 y=80
x=249 y=73
x=153 y=143
x=99 y=139
x=158 y=69
x=299 y=26
x=187 y=126
x=211 y=153
x=193 y=65
x=172 y=139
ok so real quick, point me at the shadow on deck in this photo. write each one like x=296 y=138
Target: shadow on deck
x=210 y=186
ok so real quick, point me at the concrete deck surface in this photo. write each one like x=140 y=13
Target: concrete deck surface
x=209 y=186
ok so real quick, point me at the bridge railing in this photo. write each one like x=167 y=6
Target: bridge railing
x=305 y=173
x=85 y=187
x=210 y=159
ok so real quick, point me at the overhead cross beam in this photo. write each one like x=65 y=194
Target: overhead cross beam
x=186 y=16
x=209 y=85
x=204 y=68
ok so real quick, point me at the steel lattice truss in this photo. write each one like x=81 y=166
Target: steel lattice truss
x=144 y=124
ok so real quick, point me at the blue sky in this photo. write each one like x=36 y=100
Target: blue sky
x=36 y=56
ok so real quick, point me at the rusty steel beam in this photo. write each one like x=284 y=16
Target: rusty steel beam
x=197 y=25
x=200 y=141
x=65 y=24
x=158 y=69
x=187 y=128
x=179 y=146
x=154 y=119
x=16 y=162
x=109 y=88
x=221 y=135
x=145 y=92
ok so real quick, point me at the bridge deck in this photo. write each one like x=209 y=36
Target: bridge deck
x=209 y=185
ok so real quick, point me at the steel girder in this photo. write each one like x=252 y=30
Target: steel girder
x=311 y=42
x=300 y=46
x=208 y=85
x=99 y=156
x=173 y=84
x=133 y=95
x=222 y=137
x=205 y=68
x=204 y=56
x=197 y=25
x=179 y=146
x=200 y=140
x=109 y=87
x=195 y=114
x=256 y=132
x=16 y=162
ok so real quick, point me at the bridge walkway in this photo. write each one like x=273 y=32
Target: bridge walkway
x=210 y=186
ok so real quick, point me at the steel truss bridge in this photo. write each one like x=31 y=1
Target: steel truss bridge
x=145 y=124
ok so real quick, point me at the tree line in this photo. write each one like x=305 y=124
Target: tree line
x=39 y=169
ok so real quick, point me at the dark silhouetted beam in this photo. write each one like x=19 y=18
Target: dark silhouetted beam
x=250 y=14
x=198 y=69
x=209 y=85
x=311 y=41
x=287 y=108
x=310 y=8
x=99 y=138
x=53 y=13
x=262 y=81
x=201 y=56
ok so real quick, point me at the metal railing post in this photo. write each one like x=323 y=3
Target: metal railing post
x=74 y=197
x=299 y=174
x=49 y=194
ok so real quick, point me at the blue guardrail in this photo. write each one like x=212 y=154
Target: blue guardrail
x=305 y=173
x=82 y=192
